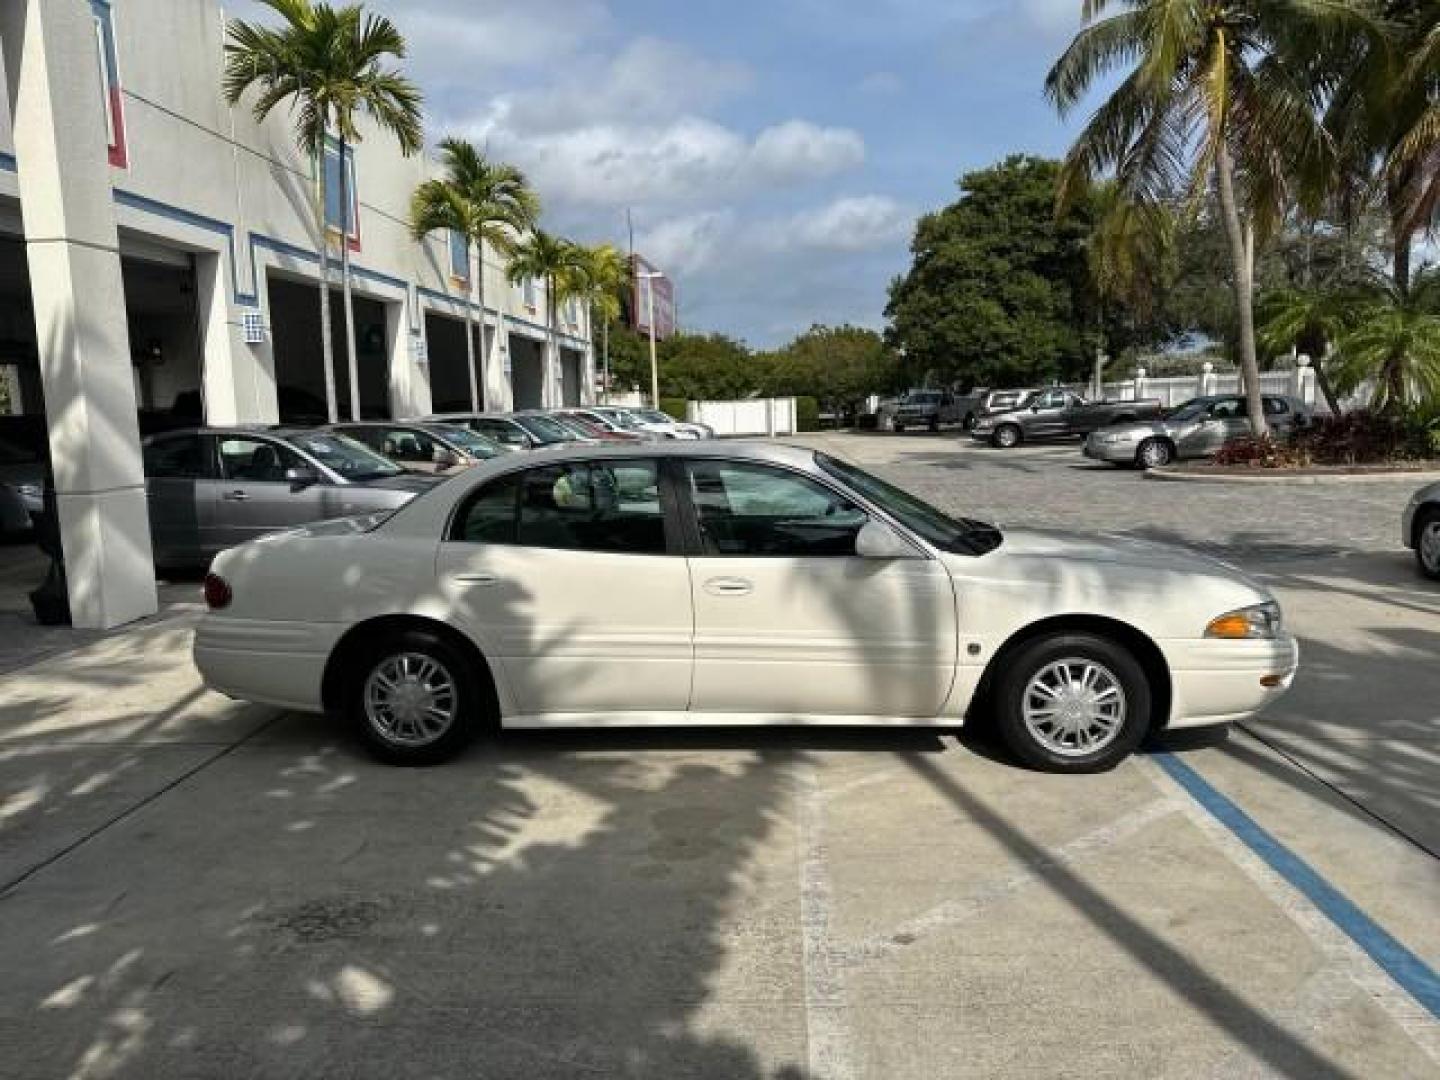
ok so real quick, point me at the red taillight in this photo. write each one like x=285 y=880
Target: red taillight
x=217 y=592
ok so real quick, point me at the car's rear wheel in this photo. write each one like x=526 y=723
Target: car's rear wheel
x=1154 y=454
x=1427 y=543
x=413 y=697
x=968 y=422
x=897 y=427
x=1007 y=436
x=935 y=425
x=1072 y=703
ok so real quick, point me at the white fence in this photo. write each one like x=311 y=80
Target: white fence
x=764 y=416
x=1298 y=382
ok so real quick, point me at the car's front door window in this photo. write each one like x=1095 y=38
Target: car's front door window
x=256 y=460
x=746 y=509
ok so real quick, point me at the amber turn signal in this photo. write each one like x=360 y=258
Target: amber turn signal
x=1229 y=626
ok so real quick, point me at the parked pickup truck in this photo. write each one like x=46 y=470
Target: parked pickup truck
x=1058 y=414
x=927 y=409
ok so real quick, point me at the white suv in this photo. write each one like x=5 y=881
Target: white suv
x=662 y=424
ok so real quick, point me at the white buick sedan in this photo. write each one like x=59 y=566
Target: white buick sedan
x=729 y=584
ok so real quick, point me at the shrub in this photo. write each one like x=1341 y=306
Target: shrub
x=1358 y=438
x=807 y=414
x=673 y=406
x=1265 y=452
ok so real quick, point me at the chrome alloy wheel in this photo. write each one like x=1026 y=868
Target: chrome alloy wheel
x=1430 y=547
x=1154 y=454
x=410 y=699
x=1074 y=707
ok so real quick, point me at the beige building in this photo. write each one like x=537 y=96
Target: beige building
x=158 y=256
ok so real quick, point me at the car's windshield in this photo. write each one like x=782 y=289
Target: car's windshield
x=345 y=456
x=545 y=429
x=960 y=535
x=477 y=446
x=1190 y=410
x=652 y=416
x=575 y=426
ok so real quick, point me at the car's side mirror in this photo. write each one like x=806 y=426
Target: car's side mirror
x=301 y=476
x=879 y=541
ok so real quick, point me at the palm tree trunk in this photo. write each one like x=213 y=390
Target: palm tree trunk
x=484 y=352
x=1323 y=381
x=1242 y=256
x=470 y=341
x=327 y=342
x=353 y=361
x=552 y=362
x=605 y=333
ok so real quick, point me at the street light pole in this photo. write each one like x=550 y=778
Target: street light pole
x=649 y=276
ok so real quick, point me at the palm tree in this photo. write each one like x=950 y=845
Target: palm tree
x=607 y=275
x=1130 y=259
x=1412 y=164
x=488 y=203
x=328 y=64
x=1217 y=97
x=561 y=266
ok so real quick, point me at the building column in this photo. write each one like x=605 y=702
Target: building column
x=79 y=300
x=498 y=368
x=409 y=386
x=239 y=376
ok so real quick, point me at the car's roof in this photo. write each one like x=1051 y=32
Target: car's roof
x=445 y=418
x=781 y=453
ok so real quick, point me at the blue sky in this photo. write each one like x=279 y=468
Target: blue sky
x=774 y=154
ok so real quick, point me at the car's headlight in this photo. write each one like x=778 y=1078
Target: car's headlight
x=1263 y=621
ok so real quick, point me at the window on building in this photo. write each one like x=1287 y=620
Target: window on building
x=333 y=215
x=459 y=256
x=530 y=292
x=111 y=103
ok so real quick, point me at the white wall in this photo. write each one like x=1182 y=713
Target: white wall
x=765 y=416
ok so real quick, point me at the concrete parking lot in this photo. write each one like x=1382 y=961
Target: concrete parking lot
x=191 y=887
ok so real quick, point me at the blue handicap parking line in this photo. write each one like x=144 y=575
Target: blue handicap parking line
x=1418 y=978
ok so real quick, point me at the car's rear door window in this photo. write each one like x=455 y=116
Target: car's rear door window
x=179 y=457
x=611 y=506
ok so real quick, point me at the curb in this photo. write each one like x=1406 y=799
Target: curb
x=1279 y=476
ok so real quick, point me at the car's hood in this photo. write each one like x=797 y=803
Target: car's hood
x=412 y=482
x=1057 y=546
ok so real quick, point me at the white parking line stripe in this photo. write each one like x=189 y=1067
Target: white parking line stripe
x=951 y=912
x=1412 y=1017
x=826 y=1024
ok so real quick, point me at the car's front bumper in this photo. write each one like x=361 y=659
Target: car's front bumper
x=1115 y=452
x=1215 y=681
x=1407 y=523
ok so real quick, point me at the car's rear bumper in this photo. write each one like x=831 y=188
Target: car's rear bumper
x=271 y=663
x=1114 y=453
x=1214 y=681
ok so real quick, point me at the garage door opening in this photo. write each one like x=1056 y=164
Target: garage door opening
x=572 y=376
x=299 y=353
x=449 y=365
x=527 y=372
x=166 y=347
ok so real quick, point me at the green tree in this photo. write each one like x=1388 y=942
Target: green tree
x=996 y=291
x=559 y=264
x=328 y=63
x=489 y=204
x=606 y=278
x=706 y=367
x=838 y=366
x=1219 y=92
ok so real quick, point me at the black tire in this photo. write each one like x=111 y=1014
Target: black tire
x=1154 y=454
x=935 y=425
x=898 y=428
x=1007 y=437
x=1428 y=566
x=468 y=703
x=1036 y=657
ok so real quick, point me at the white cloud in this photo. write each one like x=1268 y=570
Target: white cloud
x=856 y=223
x=689 y=244
x=687 y=160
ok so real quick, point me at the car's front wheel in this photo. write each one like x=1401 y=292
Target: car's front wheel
x=413 y=697
x=1072 y=703
x=1427 y=543
x=1154 y=454
x=1006 y=437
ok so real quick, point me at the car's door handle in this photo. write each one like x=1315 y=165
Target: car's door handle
x=478 y=578
x=235 y=496
x=729 y=586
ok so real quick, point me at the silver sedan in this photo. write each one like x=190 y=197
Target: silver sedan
x=1195 y=429
x=1420 y=529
